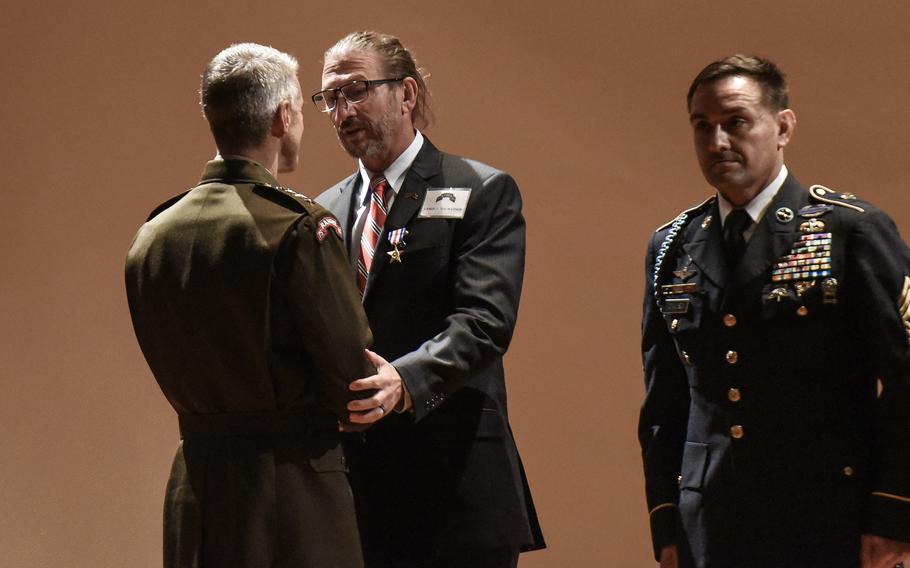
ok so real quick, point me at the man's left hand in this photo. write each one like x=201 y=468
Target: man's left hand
x=388 y=386
x=878 y=552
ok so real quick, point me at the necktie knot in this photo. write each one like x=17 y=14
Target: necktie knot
x=380 y=189
x=372 y=228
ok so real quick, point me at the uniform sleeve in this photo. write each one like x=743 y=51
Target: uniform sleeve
x=328 y=312
x=878 y=295
x=487 y=272
x=663 y=418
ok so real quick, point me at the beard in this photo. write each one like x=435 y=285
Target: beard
x=377 y=135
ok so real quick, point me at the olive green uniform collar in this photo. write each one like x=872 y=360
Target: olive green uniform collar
x=236 y=169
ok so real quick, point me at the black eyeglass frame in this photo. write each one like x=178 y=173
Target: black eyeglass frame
x=320 y=96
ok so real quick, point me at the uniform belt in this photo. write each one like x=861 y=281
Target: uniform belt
x=256 y=424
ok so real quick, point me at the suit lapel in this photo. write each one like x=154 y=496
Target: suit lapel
x=705 y=246
x=774 y=234
x=421 y=174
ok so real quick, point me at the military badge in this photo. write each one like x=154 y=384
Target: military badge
x=326 y=224
x=779 y=294
x=829 y=291
x=684 y=273
x=396 y=239
x=812 y=226
x=803 y=286
x=706 y=223
x=810 y=211
x=784 y=214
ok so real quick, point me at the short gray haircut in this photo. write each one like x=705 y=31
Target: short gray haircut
x=241 y=90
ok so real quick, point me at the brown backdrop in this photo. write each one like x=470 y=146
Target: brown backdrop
x=583 y=103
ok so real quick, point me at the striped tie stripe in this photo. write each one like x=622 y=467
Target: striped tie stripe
x=372 y=229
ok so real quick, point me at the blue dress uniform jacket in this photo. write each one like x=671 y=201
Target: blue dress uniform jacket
x=242 y=303
x=445 y=480
x=764 y=439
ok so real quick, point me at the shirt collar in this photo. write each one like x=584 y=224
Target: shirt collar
x=395 y=173
x=760 y=203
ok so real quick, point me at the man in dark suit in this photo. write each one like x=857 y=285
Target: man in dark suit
x=438 y=244
x=241 y=299
x=771 y=313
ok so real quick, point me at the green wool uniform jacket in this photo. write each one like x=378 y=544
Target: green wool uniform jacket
x=445 y=479
x=242 y=302
x=765 y=442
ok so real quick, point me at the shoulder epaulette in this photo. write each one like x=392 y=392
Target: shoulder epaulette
x=826 y=195
x=688 y=212
x=289 y=195
x=157 y=210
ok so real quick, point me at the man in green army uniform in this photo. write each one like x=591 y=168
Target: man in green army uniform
x=243 y=303
x=771 y=313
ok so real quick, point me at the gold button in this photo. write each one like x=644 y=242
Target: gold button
x=733 y=395
x=729 y=320
x=674 y=324
x=685 y=357
x=848 y=471
x=736 y=431
x=802 y=311
x=679 y=480
x=732 y=357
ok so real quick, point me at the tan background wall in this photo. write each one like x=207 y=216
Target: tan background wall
x=582 y=101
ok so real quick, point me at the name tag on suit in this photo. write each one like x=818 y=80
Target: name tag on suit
x=445 y=203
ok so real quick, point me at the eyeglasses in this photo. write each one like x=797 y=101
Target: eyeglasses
x=353 y=92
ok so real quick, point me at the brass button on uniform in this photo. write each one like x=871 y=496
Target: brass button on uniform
x=729 y=320
x=732 y=357
x=736 y=431
x=685 y=357
x=802 y=311
x=848 y=471
x=674 y=324
x=733 y=395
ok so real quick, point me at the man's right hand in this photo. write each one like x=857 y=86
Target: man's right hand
x=669 y=557
x=388 y=385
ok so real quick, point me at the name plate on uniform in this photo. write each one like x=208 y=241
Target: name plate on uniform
x=675 y=306
x=445 y=203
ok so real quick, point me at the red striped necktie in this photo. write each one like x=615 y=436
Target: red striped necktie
x=372 y=228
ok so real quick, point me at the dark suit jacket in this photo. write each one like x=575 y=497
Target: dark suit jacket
x=241 y=300
x=764 y=442
x=447 y=475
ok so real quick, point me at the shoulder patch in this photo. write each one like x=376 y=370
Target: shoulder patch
x=328 y=224
x=827 y=195
x=688 y=212
x=158 y=210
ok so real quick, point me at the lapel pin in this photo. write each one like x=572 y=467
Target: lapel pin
x=707 y=222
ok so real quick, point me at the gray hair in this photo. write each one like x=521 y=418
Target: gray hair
x=399 y=62
x=241 y=90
